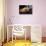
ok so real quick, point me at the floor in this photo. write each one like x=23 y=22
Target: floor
x=23 y=43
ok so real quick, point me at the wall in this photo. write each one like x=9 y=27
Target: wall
x=1 y=19
x=38 y=16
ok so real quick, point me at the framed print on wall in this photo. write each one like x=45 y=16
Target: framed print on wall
x=25 y=9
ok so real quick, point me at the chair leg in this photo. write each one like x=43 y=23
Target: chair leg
x=15 y=38
x=2 y=44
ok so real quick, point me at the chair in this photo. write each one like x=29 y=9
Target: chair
x=17 y=31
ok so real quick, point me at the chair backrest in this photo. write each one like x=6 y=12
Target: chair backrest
x=18 y=30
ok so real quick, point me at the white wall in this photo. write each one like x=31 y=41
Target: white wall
x=1 y=18
x=38 y=16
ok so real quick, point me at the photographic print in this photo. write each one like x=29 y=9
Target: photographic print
x=25 y=9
